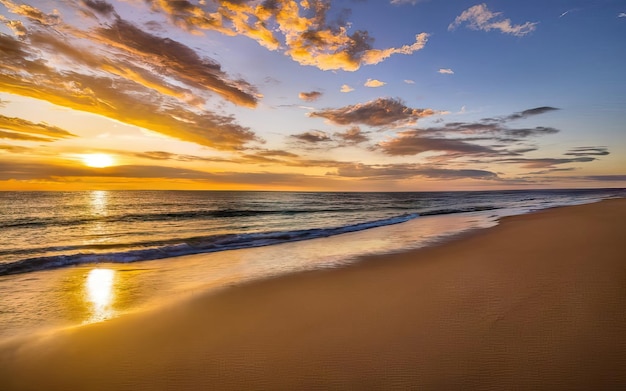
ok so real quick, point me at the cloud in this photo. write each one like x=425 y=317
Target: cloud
x=310 y=96
x=162 y=155
x=32 y=13
x=16 y=26
x=375 y=56
x=413 y=142
x=99 y=6
x=352 y=136
x=407 y=81
x=621 y=15
x=117 y=95
x=401 y=2
x=301 y=29
x=546 y=162
x=446 y=71
x=489 y=138
x=346 y=88
x=313 y=136
x=529 y=113
x=588 y=151
x=20 y=125
x=176 y=60
x=479 y=17
x=378 y=113
x=14 y=148
x=406 y=171
x=21 y=137
x=528 y=132
x=605 y=178
x=498 y=125
x=374 y=83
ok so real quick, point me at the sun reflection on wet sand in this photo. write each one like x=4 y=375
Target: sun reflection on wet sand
x=99 y=288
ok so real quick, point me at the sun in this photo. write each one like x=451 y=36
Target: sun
x=97 y=160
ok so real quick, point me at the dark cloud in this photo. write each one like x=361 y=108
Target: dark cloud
x=528 y=132
x=405 y=171
x=588 y=151
x=100 y=6
x=413 y=142
x=377 y=113
x=605 y=178
x=531 y=112
x=499 y=125
x=313 y=136
x=546 y=162
x=310 y=96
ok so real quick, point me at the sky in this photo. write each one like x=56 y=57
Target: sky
x=312 y=95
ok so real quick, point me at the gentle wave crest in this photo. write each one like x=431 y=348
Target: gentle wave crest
x=195 y=245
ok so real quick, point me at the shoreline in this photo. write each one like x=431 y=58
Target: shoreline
x=535 y=302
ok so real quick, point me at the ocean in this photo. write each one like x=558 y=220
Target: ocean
x=139 y=247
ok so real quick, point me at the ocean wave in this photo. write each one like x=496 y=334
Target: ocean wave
x=165 y=216
x=190 y=246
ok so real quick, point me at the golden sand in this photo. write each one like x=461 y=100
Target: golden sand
x=538 y=302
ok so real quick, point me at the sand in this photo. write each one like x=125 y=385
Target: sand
x=538 y=302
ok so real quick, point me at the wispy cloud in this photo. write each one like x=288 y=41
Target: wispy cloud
x=413 y=142
x=446 y=71
x=408 y=81
x=569 y=12
x=377 y=113
x=492 y=139
x=621 y=15
x=479 y=17
x=588 y=151
x=405 y=171
x=546 y=162
x=401 y=2
x=21 y=129
x=374 y=83
x=110 y=71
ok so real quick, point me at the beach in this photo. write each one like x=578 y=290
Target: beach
x=536 y=302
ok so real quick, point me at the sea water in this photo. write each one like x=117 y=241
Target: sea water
x=68 y=258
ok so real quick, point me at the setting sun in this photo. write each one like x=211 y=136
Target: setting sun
x=98 y=160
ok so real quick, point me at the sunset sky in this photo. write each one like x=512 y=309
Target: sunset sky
x=367 y=95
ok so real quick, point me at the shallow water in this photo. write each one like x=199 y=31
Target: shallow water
x=85 y=293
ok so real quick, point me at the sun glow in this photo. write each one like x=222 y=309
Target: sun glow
x=97 y=160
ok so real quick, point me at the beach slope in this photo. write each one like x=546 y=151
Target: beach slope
x=538 y=302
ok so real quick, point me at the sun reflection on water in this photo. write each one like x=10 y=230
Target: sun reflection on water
x=98 y=202
x=99 y=287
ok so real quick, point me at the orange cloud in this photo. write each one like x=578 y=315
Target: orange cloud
x=308 y=40
x=20 y=125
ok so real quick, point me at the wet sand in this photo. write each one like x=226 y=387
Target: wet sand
x=538 y=302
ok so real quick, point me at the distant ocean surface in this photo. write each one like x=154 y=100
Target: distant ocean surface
x=46 y=230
